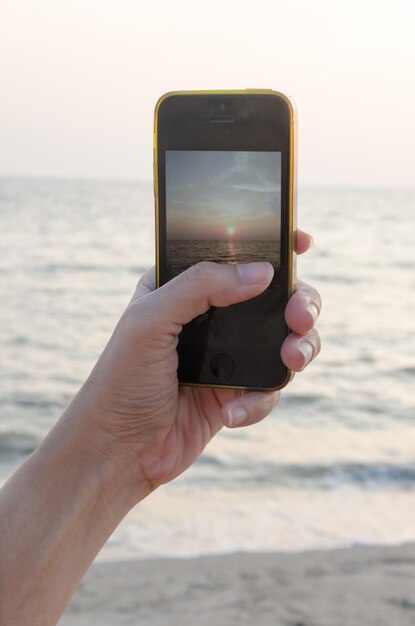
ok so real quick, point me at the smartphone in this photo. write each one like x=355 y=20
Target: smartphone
x=225 y=191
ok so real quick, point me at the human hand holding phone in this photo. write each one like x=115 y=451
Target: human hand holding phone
x=130 y=428
x=132 y=403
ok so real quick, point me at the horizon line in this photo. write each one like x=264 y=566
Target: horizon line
x=148 y=181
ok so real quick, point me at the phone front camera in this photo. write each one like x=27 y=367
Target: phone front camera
x=222 y=107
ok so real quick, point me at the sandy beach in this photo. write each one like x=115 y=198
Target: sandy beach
x=361 y=586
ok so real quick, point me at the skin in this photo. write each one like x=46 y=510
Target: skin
x=129 y=429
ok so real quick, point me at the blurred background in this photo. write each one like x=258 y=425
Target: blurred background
x=334 y=465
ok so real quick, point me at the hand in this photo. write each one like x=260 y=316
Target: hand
x=129 y=429
x=132 y=397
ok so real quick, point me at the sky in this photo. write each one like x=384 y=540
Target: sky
x=223 y=195
x=79 y=81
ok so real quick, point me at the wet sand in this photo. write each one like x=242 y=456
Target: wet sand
x=362 y=586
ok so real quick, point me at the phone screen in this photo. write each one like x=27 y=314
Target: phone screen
x=222 y=206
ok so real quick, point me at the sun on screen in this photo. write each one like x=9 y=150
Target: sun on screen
x=231 y=230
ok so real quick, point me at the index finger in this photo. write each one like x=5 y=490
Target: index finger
x=303 y=242
x=146 y=284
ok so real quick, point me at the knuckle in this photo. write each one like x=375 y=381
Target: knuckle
x=128 y=320
x=145 y=285
x=313 y=338
x=269 y=402
x=306 y=292
x=318 y=344
x=143 y=281
x=136 y=318
x=201 y=272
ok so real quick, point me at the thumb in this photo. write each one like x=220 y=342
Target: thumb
x=209 y=284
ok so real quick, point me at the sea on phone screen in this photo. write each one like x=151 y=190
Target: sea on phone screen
x=183 y=253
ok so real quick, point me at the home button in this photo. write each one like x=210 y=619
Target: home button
x=222 y=367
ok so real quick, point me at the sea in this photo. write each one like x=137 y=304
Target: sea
x=181 y=253
x=333 y=465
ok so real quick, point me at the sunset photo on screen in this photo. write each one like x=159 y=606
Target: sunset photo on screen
x=222 y=206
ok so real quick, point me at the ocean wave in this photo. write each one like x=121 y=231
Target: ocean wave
x=371 y=476
x=17 y=444
x=338 y=278
x=71 y=267
x=303 y=399
x=32 y=402
x=403 y=372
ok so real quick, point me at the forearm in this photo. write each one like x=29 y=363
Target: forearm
x=56 y=512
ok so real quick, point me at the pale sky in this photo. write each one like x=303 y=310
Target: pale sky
x=223 y=195
x=79 y=80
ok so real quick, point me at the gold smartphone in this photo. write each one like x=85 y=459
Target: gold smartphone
x=225 y=191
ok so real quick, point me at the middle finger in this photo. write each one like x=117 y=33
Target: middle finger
x=303 y=308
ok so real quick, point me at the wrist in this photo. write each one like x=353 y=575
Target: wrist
x=57 y=511
x=96 y=449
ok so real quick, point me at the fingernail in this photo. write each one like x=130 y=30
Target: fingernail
x=306 y=350
x=236 y=415
x=253 y=273
x=312 y=308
